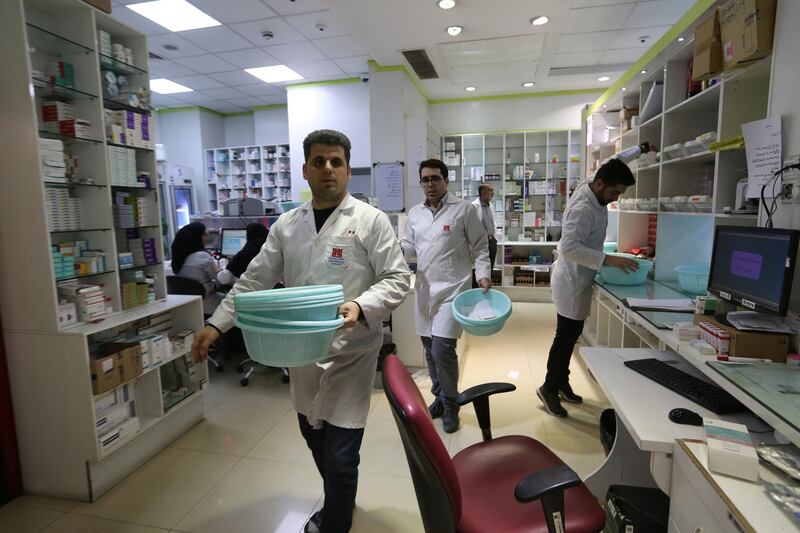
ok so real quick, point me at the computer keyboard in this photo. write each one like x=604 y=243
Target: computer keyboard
x=700 y=392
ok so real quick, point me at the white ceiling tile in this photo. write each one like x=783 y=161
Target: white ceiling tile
x=198 y=82
x=185 y=48
x=205 y=64
x=595 y=3
x=576 y=59
x=216 y=39
x=252 y=57
x=313 y=69
x=623 y=55
x=159 y=68
x=196 y=97
x=276 y=99
x=597 y=18
x=225 y=93
x=234 y=78
x=234 y=11
x=138 y=22
x=289 y=7
x=160 y=101
x=281 y=30
x=584 y=42
x=309 y=25
x=654 y=13
x=633 y=38
x=225 y=107
x=259 y=89
x=248 y=101
x=335 y=47
x=353 y=65
x=294 y=52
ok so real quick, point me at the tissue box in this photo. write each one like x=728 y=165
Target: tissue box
x=730 y=449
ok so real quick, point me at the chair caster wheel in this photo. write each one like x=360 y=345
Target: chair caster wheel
x=285 y=378
x=244 y=382
x=220 y=368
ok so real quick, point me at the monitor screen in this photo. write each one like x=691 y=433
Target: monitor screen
x=233 y=240
x=753 y=267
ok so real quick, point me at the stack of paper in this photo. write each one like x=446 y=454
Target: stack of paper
x=483 y=310
x=679 y=304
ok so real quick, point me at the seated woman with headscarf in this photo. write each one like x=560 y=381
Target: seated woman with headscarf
x=191 y=260
x=256 y=236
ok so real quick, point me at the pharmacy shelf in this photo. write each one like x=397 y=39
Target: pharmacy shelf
x=81 y=276
x=46 y=42
x=142 y=265
x=122 y=318
x=136 y=227
x=68 y=138
x=122 y=106
x=702 y=101
x=133 y=188
x=694 y=159
x=80 y=230
x=137 y=148
x=70 y=184
x=46 y=89
x=118 y=67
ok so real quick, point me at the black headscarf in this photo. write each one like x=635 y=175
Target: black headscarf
x=188 y=240
x=256 y=236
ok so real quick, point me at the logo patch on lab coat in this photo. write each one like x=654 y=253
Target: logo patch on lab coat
x=337 y=256
x=446 y=229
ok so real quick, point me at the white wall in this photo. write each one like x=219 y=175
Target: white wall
x=342 y=107
x=271 y=126
x=240 y=130
x=515 y=114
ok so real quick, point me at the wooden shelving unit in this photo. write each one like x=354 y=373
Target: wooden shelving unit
x=262 y=171
x=61 y=448
x=533 y=174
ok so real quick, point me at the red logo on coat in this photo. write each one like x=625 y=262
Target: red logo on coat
x=336 y=252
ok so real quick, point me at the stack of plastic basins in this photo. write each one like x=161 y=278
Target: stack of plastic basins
x=289 y=327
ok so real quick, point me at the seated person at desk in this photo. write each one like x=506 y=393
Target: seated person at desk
x=256 y=236
x=580 y=257
x=191 y=260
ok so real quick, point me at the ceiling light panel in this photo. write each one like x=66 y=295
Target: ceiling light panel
x=165 y=86
x=446 y=4
x=454 y=30
x=274 y=74
x=175 y=15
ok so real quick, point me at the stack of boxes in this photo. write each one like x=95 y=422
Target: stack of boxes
x=63 y=265
x=718 y=338
x=130 y=211
x=104 y=41
x=63 y=211
x=137 y=289
x=125 y=260
x=59 y=117
x=652 y=231
x=51 y=155
x=89 y=300
x=143 y=250
x=129 y=128
x=123 y=166
x=74 y=258
x=61 y=73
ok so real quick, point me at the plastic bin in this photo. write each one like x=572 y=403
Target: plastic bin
x=481 y=328
x=284 y=348
x=693 y=278
x=615 y=276
x=277 y=323
x=609 y=247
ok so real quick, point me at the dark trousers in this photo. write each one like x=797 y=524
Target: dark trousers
x=336 y=454
x=568 y=332
x=440 y=353
x=492 y=257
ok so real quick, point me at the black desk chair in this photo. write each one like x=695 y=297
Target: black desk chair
x=190 y=287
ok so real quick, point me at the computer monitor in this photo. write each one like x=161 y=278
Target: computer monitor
x=754 y=267
x=233 y=240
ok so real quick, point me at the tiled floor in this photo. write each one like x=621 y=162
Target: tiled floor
x=246 y=469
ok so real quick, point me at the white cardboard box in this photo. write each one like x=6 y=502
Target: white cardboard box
x=730 y=449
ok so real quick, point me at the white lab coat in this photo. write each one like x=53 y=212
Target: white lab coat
x=486 y=214
x=446 y=245
x=357 y=248
x=580 y=253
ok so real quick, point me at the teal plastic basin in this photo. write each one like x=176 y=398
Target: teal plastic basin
x=269 y=322
x=289 y=292
x=481 y=328
x=318 y=311
x=693 y=278
x=615 y=276
x=609 y=247
x=286 y=348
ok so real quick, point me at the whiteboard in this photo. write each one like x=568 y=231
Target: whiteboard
x=389 y=185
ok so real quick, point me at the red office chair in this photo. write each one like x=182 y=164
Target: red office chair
x=509 y=484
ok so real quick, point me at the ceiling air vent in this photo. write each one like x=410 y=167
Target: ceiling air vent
x=421 y=63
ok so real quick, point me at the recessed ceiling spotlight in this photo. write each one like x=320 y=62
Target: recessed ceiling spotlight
x=644 y=72
x=454 y=30
x=175 y=15
x=624 y=88
x=470 y=88
x=170 y=47
x=528 y=84
x=681 y=39
x=605 y=106
x=541 y=20
x=446 y=4
x=165 y=86
x=603 y=78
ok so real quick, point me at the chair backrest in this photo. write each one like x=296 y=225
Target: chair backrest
x=435 y=479
x=185 y=286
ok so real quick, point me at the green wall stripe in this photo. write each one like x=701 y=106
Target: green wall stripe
x=694 y=13
x=322 y=83
x=269 y=107
x=514 y=96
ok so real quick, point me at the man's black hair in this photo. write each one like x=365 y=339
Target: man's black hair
x=615 y=172
x=328 y=138
x=433 y=163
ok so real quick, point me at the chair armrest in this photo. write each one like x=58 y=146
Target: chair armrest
x=479 y=396
x=548 y=485
x=545 y=481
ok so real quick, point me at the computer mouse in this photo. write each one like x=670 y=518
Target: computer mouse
x=685 y=416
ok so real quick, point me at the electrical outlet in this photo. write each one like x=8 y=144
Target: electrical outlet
x=786 y=193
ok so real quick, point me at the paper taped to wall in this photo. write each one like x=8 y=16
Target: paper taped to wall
x=762 y=141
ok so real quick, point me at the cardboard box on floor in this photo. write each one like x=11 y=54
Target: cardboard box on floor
x=707 y=61
x=773 y=346
x=747 y=28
